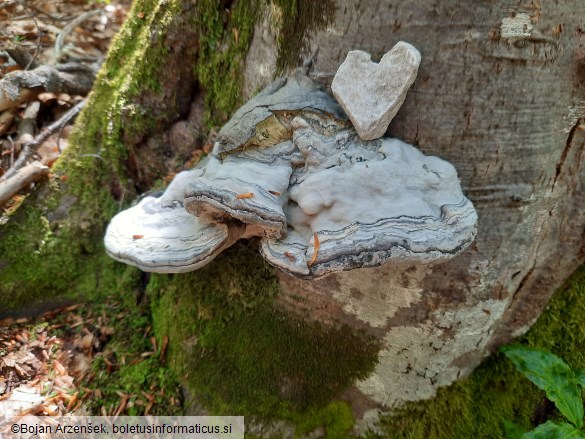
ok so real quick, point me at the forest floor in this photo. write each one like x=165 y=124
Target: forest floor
x=50 y=52
x=96 y=358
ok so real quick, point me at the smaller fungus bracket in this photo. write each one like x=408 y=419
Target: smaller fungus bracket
x=158 y=235
x=263 y=120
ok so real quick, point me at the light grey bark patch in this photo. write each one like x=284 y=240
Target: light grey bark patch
x=518 y=26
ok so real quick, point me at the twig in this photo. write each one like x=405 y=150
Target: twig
x=52 y=17
x=31 y=147
x=67 y=30
x=22 y=179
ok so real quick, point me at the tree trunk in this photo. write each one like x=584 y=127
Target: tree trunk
x=500 y=94
x=507 y=109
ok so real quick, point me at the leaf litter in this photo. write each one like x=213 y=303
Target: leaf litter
x=52 y=365
x=40 y=33
x=69 y=360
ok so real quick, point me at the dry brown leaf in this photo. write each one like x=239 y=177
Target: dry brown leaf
x=46 y=97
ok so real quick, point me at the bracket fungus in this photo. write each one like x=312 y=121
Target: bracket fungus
x=158 y=235
x=290 y=169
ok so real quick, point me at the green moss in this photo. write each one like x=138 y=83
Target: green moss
x=52 y=246
x=475 y=407
x=299 y=19
x=240 y=355
x=225 y=36
x=45 y=259
x=336 y=417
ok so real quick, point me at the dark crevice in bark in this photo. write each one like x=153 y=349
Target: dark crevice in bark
x=567 y=149
x=300 y=19
x=525 y=278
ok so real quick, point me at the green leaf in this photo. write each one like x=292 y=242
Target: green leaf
x=580 y=376
x=550 y=430
x=552 y=375
x=512 y=430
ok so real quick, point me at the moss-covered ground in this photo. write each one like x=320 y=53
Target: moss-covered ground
x=132 y=362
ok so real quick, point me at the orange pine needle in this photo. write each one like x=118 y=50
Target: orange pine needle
x=315 y=250
x=290 y=256
x=137 y=236
x=246 y=195
x=275 y=193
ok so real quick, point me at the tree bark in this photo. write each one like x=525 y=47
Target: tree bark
x=506 y=107
x=500 y=94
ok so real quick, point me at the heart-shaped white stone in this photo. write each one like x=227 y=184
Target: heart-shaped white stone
x=371 y=94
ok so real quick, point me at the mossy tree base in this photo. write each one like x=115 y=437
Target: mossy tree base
x=239 y=354
x=227 y=342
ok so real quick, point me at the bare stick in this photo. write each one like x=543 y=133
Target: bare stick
x=67 y=30
x=21 y=180
x=31 y=147
x=21 y=55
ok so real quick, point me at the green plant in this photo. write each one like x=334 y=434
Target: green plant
x=562 y=386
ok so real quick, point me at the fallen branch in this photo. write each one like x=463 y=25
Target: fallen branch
x=30 y=148
x=19 y=86
x=21 y=180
